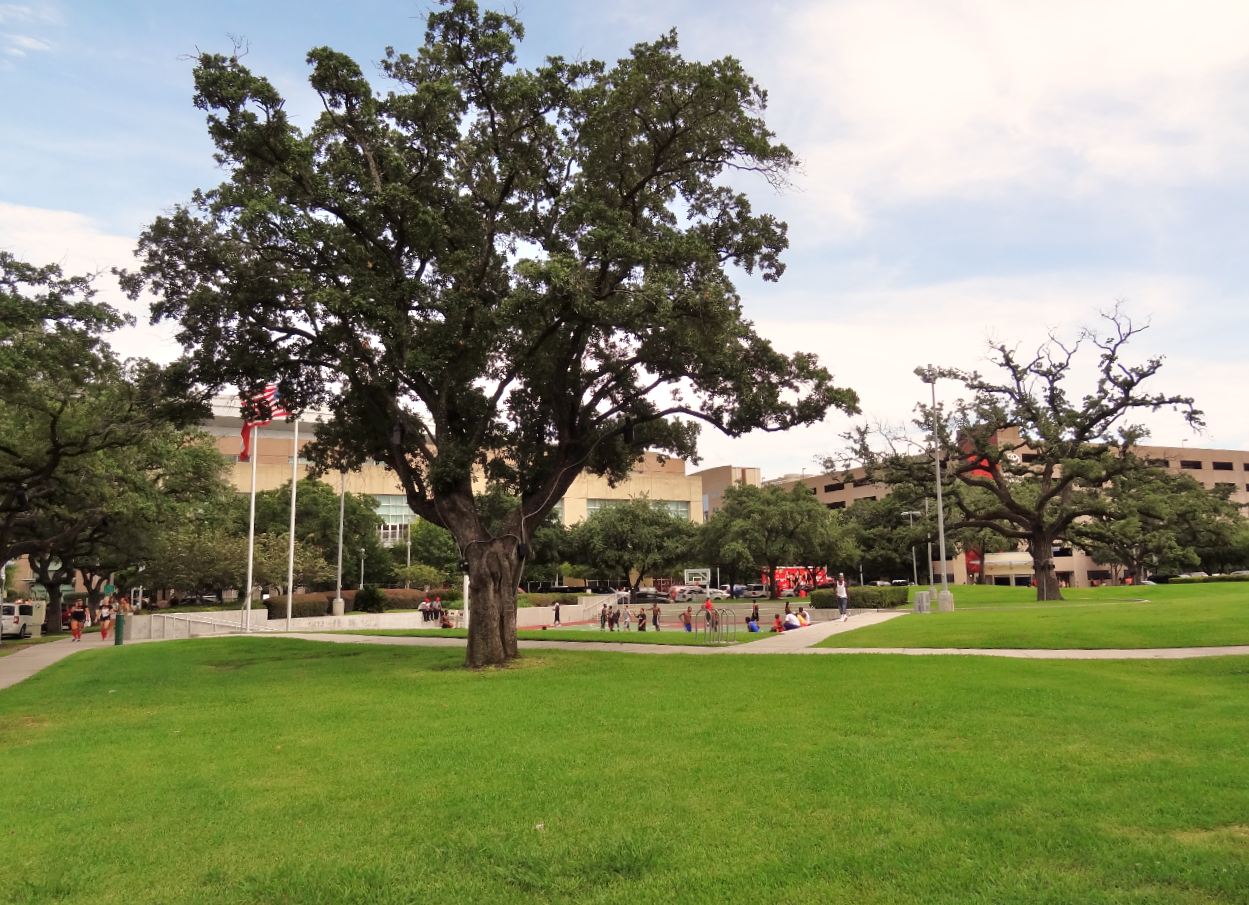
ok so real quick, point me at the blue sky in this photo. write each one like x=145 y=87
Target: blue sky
x=971 y=170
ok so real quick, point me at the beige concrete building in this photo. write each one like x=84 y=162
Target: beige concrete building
x=664 y=481
x=1211 y=467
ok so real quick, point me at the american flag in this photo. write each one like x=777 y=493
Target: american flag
x=268 y=399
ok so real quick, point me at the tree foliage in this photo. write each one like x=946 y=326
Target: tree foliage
x=778 y=527
x=66 y=403
x=635 y=539
x=489 y=271
x=1155 y=521
x=1026 y=457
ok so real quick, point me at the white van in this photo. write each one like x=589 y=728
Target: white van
x=22 y=620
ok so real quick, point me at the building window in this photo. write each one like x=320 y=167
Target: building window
x=392 y=508
x=865 y=498
x=1247 y=466
x=1063 y=551
x=677 y=508
x=1190 y=464
x=833 y=488
x=1029 y=458
x=1099 y=575
x=862 y=482
x=812 y=489
x=1158 y=463
x=1221 y=466
x=842 y=503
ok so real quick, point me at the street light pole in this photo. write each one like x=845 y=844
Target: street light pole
x=338 y=587
x=362 y=567
x=946 y=600
x=910 y=516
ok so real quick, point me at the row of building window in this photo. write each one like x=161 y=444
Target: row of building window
x=677 y=508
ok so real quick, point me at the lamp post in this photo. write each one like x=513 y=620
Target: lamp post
x=362 y=567
x=910 y=515
x=946 y=599
x=338 y=587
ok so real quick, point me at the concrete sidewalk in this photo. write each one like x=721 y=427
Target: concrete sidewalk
x=22 y=665
x=800 y=640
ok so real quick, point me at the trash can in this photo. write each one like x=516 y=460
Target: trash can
x=119 y=628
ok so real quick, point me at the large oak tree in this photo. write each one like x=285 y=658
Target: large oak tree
x=488 y=271
x=1027 y=454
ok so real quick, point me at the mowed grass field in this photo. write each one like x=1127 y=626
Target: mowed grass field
x=1208 y=615
x=256 y=770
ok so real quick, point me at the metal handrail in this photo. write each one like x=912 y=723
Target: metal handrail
x=237 y=627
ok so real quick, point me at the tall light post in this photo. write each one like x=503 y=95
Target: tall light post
x=910 y=515
x=361 y=567
x=946 y=599
x=338 y=587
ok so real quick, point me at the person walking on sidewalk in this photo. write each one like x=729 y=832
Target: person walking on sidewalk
x=77 y=619
x=106 y=618
x=843 y=595
x=557 y=612
x=655 y=616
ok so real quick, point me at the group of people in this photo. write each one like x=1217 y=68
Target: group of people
x=620 y=618
x=434 y=611
x=80 y=615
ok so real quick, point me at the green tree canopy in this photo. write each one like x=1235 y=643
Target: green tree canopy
x=485 y=270
x=65 y=400
x=780 y=527
x=316 y=523
x=1152 y=520
x=635 y=539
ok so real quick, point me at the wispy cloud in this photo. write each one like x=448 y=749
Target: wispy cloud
x=29 y=13
x=21 y=45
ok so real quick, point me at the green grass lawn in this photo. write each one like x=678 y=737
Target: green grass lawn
x=588 y=635
x=250 y=770
x=1208 y=615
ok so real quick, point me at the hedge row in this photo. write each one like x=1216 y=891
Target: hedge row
x=1208 y=579
x=319 y=603
x=864 y=598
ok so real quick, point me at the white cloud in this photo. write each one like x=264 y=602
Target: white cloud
x=42 y=14
x=80 y=246
x=879 y=336
x=897 y=100
x=20 y=45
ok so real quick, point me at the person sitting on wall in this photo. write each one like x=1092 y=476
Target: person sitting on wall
x=446 y=620
x=803 y=618
x=791 y=622
x=777 y=625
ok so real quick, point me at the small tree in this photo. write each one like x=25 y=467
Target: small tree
x=1026 y=458
x=637 y=539
x=488 y=272
x=1154 y=520
x=778 y=527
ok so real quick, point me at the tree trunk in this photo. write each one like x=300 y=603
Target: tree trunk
x=1042 y=550
x=772 y=595
x=52 y=615
x=493 y=569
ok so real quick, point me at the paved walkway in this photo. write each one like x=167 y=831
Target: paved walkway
x=25 y=663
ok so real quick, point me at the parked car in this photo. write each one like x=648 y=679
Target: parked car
x=755 y=592
x=17 y=619
x=688 y=593
x=647 y=595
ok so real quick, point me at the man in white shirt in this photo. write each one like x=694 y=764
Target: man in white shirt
x=843 y=595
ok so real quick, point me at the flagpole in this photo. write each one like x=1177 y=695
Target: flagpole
x=290 y=551
x=338 y=607
x=251 y=531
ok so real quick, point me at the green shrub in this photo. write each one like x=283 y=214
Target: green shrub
x=302 y=605
x=864 y=598
x=370 y=599
x=545 y=599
